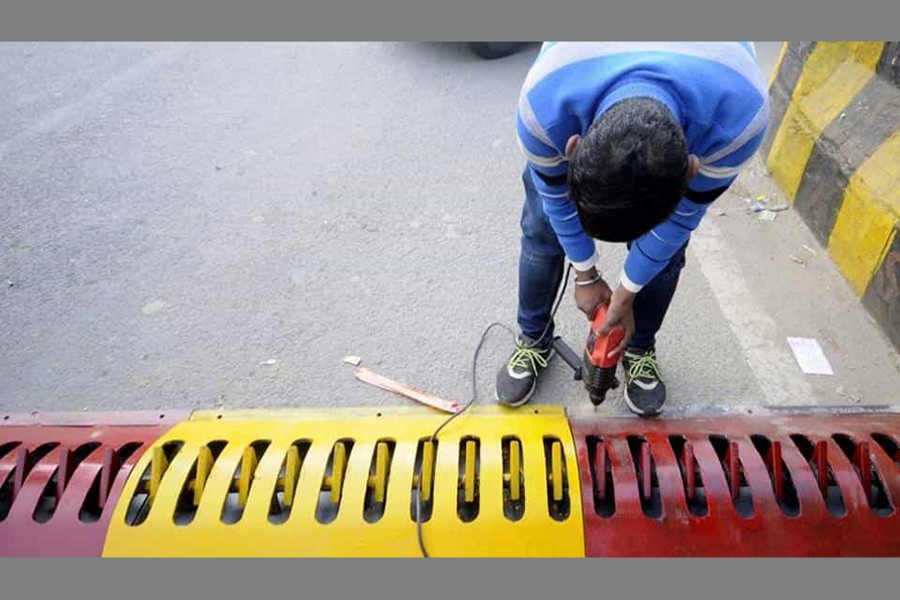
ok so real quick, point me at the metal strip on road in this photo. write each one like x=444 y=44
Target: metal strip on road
x=59 y=484
x=803 y=485
x=504 y=483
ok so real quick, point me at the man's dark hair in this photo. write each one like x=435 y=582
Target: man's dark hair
x=629 y=171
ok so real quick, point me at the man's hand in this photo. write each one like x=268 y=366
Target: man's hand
x=588 y=298
x=620 y=314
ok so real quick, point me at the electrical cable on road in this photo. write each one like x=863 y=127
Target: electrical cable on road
x=472 y=401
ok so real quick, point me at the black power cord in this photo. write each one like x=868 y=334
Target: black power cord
x=474 y=398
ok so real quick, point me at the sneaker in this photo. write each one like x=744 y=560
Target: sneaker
x=645 y=391
x=517 y=379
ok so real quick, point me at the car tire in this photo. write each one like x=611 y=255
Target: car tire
x=492 y=50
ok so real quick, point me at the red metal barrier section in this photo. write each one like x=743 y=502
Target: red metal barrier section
x=816 y=485
x=61 y=475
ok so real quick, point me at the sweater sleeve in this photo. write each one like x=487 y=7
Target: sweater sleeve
x=547 y=168
x=651 y=252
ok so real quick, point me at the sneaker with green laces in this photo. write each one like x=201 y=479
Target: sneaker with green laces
x=518 y=377
x=645 y=392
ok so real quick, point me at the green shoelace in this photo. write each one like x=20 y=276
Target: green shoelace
x=643 y=366
x=528 y=357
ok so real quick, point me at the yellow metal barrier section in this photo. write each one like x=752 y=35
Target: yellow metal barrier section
x=344 y=483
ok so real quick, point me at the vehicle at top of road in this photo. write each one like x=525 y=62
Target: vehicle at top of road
x=492 y=50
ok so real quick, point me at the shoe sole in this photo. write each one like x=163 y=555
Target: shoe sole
x=521 y=402
x=530 y=393
x=633 y=408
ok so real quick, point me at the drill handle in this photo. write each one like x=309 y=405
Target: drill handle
x=568 y=355
x=599 y=346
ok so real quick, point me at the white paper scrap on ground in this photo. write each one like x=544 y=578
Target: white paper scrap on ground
x=810 y=356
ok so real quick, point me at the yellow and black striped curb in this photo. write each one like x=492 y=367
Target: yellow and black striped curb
x=834 y=149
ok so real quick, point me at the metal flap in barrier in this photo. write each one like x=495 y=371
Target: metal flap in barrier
x=59 y=483
x=817 y=485
x=351 y=483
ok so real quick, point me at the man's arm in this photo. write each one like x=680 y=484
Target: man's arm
x=548 y=167
x=650 y=253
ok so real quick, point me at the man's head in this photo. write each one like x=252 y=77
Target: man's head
x=630 y=170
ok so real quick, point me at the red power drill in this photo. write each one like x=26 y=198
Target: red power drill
x=599 y=368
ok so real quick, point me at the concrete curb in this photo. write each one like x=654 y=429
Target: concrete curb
x=834 y=149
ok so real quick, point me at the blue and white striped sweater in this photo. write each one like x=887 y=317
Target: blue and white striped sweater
x=715 y=89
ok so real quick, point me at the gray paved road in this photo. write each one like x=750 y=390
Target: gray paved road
x=219 y=225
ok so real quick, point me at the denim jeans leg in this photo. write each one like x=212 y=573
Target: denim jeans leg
x=541 y=265
x=652 y=302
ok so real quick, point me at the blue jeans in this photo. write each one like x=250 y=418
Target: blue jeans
x=541 y=268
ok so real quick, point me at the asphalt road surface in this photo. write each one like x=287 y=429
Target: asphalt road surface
x=219 y=225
